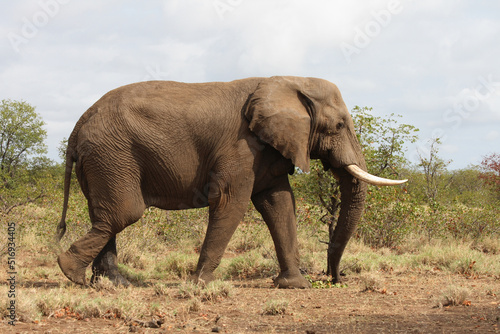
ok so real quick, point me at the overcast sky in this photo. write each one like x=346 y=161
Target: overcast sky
x=434 y=62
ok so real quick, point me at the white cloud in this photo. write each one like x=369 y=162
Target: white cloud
x=492 y=136
x=424 y=61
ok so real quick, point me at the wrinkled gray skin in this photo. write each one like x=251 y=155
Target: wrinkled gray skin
x=177 y=146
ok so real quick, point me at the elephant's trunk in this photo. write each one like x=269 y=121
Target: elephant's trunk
x=353 y=194
x=353 y=185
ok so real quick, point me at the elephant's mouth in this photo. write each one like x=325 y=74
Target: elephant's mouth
x=371 y=179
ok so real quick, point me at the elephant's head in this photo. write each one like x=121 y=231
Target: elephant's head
x=307 y=118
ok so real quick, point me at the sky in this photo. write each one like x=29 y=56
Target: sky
x=434 y=62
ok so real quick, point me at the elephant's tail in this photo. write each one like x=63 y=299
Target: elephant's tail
x=61 y=228
x=71 y=157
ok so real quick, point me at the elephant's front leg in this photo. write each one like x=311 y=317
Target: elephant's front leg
x=277 y=207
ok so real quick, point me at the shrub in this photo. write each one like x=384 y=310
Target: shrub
x=389 y=217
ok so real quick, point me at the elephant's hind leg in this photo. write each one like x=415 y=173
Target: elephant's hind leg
x=99 y=244
x=76 y=259
x=106 y=265
x=221 y=226
x=225 y=213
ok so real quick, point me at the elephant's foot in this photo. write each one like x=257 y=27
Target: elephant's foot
x=114 y=276
x=287 y=280
x=337 y=279
x=202 y=278
x=72 y=267
x=106 y=265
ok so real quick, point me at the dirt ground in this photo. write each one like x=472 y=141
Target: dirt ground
x=403 y=303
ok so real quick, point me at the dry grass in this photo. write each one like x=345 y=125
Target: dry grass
x=370 y=281
x=275 y=307
x=251 y=264
x=455 y=296
x=175 y=265
x=451 y=256
x=161 y=289
x=212 y=292
x=262 y=310
x=488 y=245
x=104 y=284
x=163 y=248
x=80 y=303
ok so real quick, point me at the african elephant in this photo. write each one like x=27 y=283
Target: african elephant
x=177 y=146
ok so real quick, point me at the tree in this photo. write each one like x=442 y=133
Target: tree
x=491 y=171
x=22 y=147
x=383 y=140
x=61 y=149
x=434 y=167
x=21 y=135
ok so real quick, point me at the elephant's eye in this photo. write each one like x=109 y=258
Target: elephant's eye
x=340 y=125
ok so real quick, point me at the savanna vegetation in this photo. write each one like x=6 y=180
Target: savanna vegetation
x=440 y=221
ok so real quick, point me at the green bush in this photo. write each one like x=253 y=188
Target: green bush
x=389 y=217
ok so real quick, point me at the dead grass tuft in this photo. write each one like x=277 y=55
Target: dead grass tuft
x=104 y=284
x=176 y=265
x=455 y=296
x=275 y=307
x=248 y=265
x=213 y=292
x=161 y=289
x=80 y=303
x=370 y=282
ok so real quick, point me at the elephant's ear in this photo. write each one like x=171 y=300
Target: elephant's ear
x=278 y=115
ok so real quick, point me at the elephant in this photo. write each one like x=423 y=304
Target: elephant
x=175 y=146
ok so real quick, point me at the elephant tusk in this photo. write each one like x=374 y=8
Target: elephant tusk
x=371 y=179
